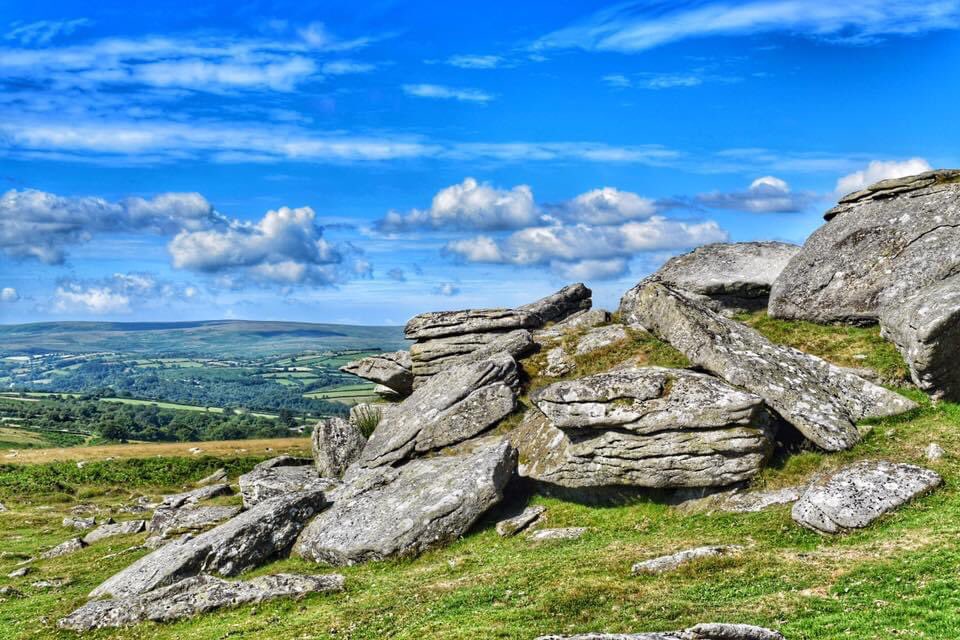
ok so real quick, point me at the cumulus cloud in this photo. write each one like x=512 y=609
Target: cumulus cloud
x=605 y=206
x=767 y=194
x=880 y=170
x=446 y=93
x=40 y=225
x=447 y=289
x=9 y=294
x=120 y=293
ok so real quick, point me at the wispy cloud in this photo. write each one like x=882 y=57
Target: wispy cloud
x=442 y=92
x=43 y=32
x=656 y=81
x=475 y=61
x=636 y=26
x=767 y=194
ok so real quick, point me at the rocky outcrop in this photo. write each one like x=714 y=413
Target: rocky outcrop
x=166 y=521
x=524 y=520
x=336 y=444
x=267 y=482
x=645 y=427
x=392 y=370
x=672 y=562
x=466 y=401
x=727 y=277
x=116 y=529
x=878 y=247
x=558 y=306
x=925 y=326
x=445 y=353
x=859 y=493
x=707 y=631
x=264 y=532
x=389 y=511
x=600 y=338
x=586 y=319
x=823 y=401
x=199 y=594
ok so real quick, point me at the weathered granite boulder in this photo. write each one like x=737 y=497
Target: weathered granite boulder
x=707 y=631
x=402 y=511
x=645 y=427
x=197 y=495
x=266 y=483
x=266 y=531
x=727 y=277
x=166 y=521
x=524 y=520
x=192 y=596
x=586 y=319
x=444 y=353
x=878 y=247
x=557 y=306
x=70 y=546
x=79 y=523
x=672 y=562
x=821 y=400
x=925 y=326
x=217 y=477
x=116 y=529
x=601 y=337
x=859 y=493
x=336 y=444
x=558 y=363
x=466 y=401
x=392 y=370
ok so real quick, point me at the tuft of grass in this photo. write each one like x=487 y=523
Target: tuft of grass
x=366 y=417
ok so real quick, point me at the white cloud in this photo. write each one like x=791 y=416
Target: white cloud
x=617 y=80
x=767 y=194
x=75 y=298
x=344 y=67
x=475 y=61
x=605 y=206
x=120 y=293
x=447 y=289
x=635 y=26
x=880 y=170
x=446 y=93
x=586 y=270
x=40 y=33
x=9 y=294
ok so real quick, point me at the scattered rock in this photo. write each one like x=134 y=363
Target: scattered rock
x=9 y=592
x=566 y=533
x=402 y=511
x=672 y=562
x=586 y=319
x=392 y=370
x=70 y=546
x=118 y=529
x=192 y=518
x=197 y=495
x=464 y=402
x=934 y=452
x=558 y=363
x=601 y=337
x=49 y=584
x=516 y=524
x=643 y=427
x=336 y=445
x=3 y=508
x=859 y=493
x=266 y=531
x=821 y=400
x=217 y=477
x=19 y=573
x=266 y=483
x=79 y=523
x=710 y=631
x=192 y=596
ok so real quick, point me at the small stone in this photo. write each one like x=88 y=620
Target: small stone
x=566 y=533
x=79 y=523
x=70 y=546
x=19 y=573
x=672 y=562
x=934 y=452
x=516 y=524
x=558 y=363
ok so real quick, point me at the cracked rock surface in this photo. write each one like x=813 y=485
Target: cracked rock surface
x=336 y=444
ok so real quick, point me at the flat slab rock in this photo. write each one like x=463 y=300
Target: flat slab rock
x=116 y=529
x=821 y=400
x=197 y=495
x=859 y=493
x=708 y=631
x=392 y=369
x=646 y=427
x=193 y=596
x=524 y=520
x=464 y=402
x=166 y=522
x=402 y=511
x=262 y=533
x=440 y=354
x=561 y=533
x=672 y=562
x=267 y=482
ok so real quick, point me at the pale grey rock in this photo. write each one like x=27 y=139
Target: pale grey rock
x=564 y=533
x=558 y=364
x=284 y=461
x=3 y=508
x=925 y=327
x=217 y=477
x=167 y=521
x=517 y=344
x=193 y=596
x=79 y=523
x=708 y=631
x=386 y=393
x=753 y=501
x=648 y=427
x=19 y=573
x=196 y=495
x=859 y=493
x=262 y=533
x=821 y=400
x=70 y=546
x=402 y=511
x=727 y=277
x=104 y=531
x=601 y=337
x=934 y=452
x=586 y=319
x=392 y=370
x=466 y=401
x=524 y=520
x=557 y=306
x=9 y=592
x=336 y=444
x=444 y=324
x=878 y=247
x=265 y=483
x=672 y=562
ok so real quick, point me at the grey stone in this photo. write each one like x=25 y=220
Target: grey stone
x=753 y=501
x=672 y=562
x=821 y=400
x=217 y=477
x=402 y=511
x=392 y=370
x=727 y=277
x=708 y=631
x=3 y=508
x=859 y=493
x=19 y=573
x=646 y=427
x=265 y=483
x=464 y=402
x=565 y=533
x=192 y=596
x=558 y=363
x=557 y=306
x=336 y=444
x=79 y=523
x=196 y=495
x=117 y=529
x=524 y=520
x=70 y=546
x=434 y=357
x=601 y=337
x=284 y=461
x=444 y=324
x=878 y=247
x=586 y=319
x=167 y=521
x=262 y=533
x=925 y=327
x=9 y=592
x=934 y=452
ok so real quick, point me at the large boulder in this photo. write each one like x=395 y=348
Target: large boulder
x=392 y=370
x=925 y=326
x=337 y=443
x=167 y=521
x=823 y=401
x=557 y=306
x=859 y=493
x=645 y=427
x=264 y=532
x=466 y=401
x=402 y=511
x=267 y=482
x=727 y=277
x=879 y=246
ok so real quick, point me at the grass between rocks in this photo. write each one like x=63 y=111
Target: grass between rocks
x=898 y=578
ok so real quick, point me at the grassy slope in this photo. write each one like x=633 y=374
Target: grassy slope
x=898 y=578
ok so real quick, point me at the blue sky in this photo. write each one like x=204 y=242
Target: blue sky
x=364 y=163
